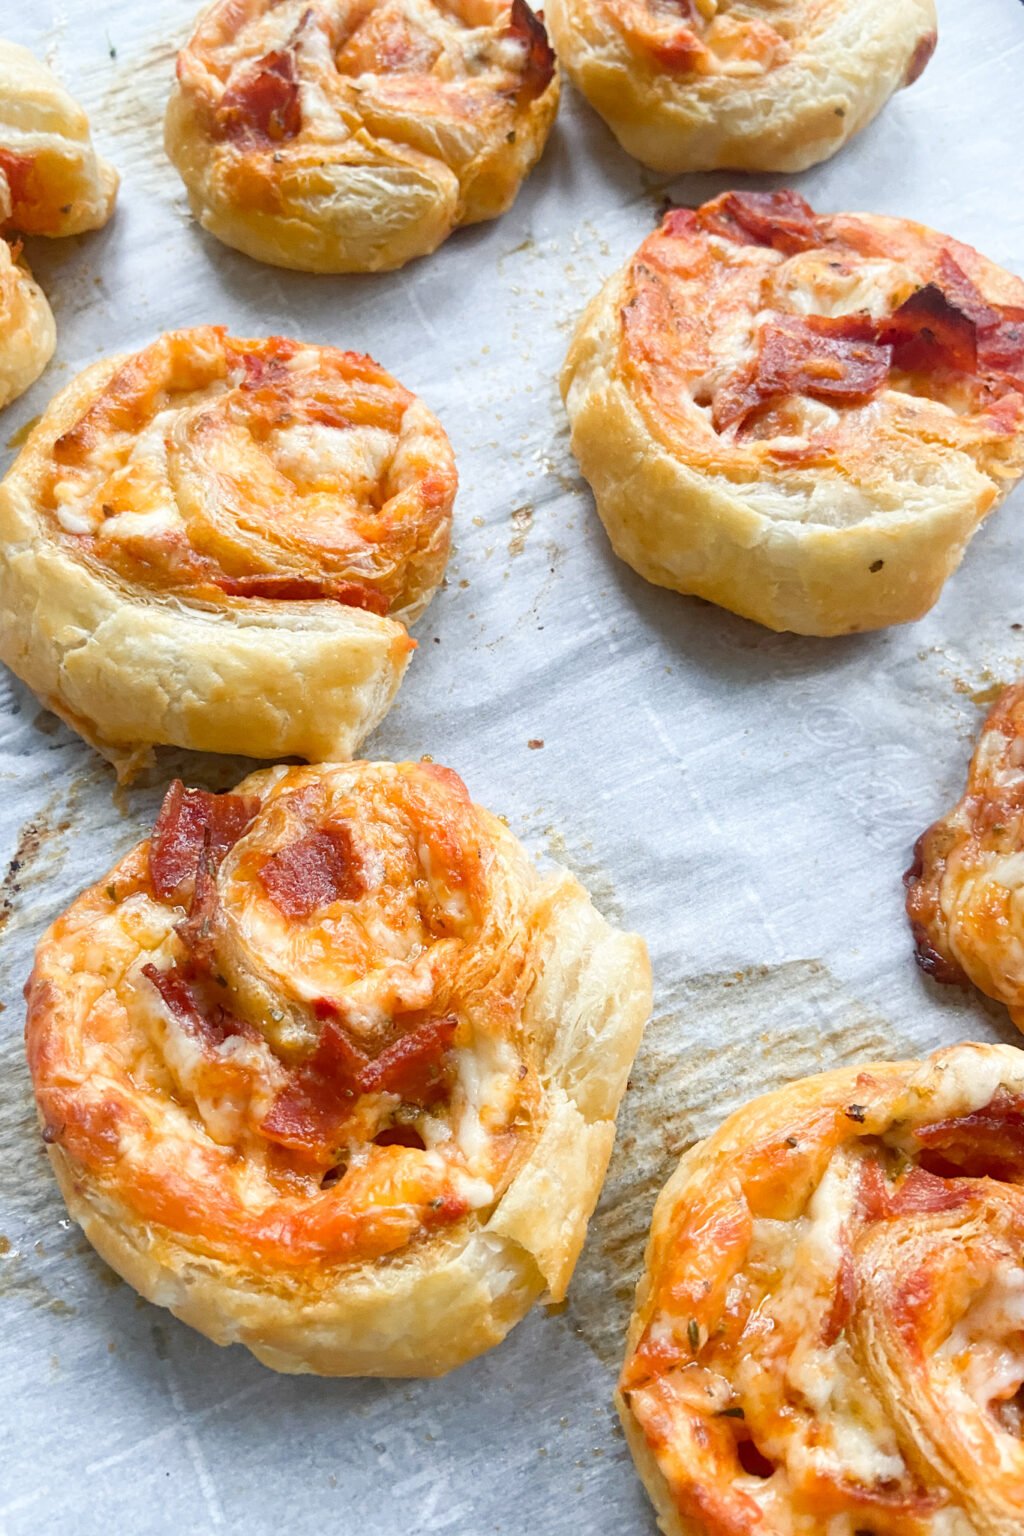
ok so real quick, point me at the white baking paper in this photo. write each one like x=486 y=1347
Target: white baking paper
x=747 y=801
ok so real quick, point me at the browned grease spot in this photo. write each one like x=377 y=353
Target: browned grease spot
x=133 y=110
x=522 y=522
x=19 y=1282
x=32 y=840
x=580 y=860
x=718 y=1040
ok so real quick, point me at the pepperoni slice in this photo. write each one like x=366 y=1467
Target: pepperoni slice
x=316 y=870
x=190 y=821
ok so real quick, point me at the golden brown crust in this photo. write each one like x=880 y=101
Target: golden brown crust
x=354 y=135
x=698 y=86
x=27 y=331
x=827 y=1331
x=52 y=181
x=328 y=1069
x=765 y=423
x=964 y=887
x=213 y=543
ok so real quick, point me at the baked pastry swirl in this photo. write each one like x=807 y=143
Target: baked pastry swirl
x=829 y=1335
x=354 y=135
x=965 y=888
x=328 y=1068
x=215 y=543
x=52 y=182
x=768 y=85
x=801 y=417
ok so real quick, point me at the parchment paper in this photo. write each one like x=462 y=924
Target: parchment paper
x=746 y=801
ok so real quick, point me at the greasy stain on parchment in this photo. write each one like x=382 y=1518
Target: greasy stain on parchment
x=718 y=1040
x=133 y=109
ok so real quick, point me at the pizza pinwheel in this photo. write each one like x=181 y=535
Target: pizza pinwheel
x=803 y=417
x=354 y=135
x=759 y=85
x=215 y=543
x=327 y=1068
x=52 y=182
x=829 y=1335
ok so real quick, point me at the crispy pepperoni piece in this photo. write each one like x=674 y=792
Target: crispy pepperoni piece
x=783 y=220
x=313 y=872
x=526 y=27
x=196 y=930
x=929 y=332
x=190 y=821
x=311 y=1110
x=209 y=1026
x=828 y=358
x=352 y=594
x=999 y=328
x=414 y=1066
x=920 y=1193
x=987 y=1143
x=262 y=100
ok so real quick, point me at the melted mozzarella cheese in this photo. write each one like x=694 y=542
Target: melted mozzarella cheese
x=486 y=1074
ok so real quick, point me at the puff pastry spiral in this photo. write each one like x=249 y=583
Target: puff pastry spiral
x=829 y=1336
x=52 y=182
x=801 y=417
x=213 y=543
x=354 y=135
x=965 y=888
x=328 y=1068
x=766 y=85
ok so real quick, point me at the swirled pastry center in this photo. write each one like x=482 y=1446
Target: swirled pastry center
x=741 y=40
x=296 y=1020
x=300 y=81
x=229 y=469
x=756 y=334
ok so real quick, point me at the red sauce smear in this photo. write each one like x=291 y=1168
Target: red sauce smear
x=352 y=594
x=313 y=872
x=191 y=822
x=17 y=170
x=526 y=27
x=310 y=1111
